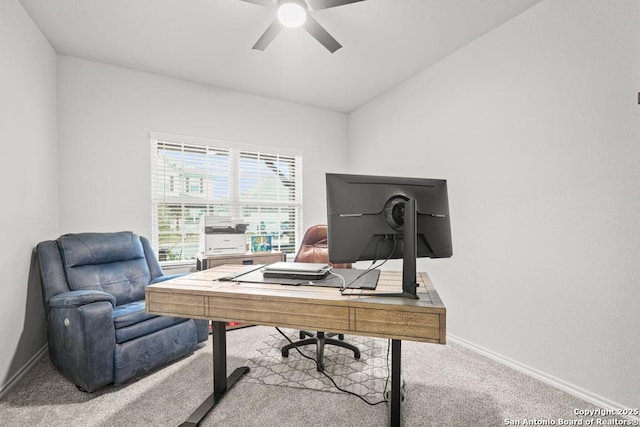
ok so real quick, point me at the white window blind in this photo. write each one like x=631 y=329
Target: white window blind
x=191 y=180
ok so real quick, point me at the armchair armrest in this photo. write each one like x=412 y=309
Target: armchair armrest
x=82 y=337
x=73 y=299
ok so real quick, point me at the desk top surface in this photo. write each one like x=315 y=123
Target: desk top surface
x=202 y=295
x=206 y=283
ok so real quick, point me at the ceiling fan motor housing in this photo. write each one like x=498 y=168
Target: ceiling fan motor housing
x=292 y=13
x=301 y=18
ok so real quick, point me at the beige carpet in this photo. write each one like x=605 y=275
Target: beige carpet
x=446 y=385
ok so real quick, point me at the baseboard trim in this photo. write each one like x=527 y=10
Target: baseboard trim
x=572 y=389
x=4 y=389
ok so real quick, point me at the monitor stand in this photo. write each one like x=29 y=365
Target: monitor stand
x=409 y=255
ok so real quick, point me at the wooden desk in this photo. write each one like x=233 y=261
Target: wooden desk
x=201 y=295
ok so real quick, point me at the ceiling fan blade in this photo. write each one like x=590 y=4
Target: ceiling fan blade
x=326 y=4
x=269 y=34
x=265 y=3
x=320 y=34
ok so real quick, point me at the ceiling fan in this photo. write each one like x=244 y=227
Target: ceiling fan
x=294 y=14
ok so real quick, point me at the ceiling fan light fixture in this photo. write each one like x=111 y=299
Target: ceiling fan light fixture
x=292 y=14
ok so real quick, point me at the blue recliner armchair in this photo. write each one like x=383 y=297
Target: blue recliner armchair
x=98 y=330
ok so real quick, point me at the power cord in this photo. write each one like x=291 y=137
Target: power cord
x=344 y=287
x=384 y=393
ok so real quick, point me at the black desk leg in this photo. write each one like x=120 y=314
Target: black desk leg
x=395 y=395
x=221 y=384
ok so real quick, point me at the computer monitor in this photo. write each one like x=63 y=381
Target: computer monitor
x=380 y=217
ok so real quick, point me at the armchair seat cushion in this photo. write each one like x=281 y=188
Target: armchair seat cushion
x=131 y=321
x=129 y=314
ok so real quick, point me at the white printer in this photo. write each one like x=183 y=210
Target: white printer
x=222 y=235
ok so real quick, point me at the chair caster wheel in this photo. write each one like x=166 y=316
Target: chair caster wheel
x=356 y=355
x=285 y=353
x=341 y=337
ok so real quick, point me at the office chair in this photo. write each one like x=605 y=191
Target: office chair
x=314 y=249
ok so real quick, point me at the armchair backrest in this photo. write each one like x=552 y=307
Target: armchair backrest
x=120 y=264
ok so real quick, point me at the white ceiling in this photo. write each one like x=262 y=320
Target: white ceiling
x=209 y=41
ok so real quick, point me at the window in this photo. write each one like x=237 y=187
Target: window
x=191 y=179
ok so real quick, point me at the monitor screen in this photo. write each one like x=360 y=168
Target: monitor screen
x=366 y=216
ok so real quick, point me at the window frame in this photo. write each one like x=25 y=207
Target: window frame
x=234 y=202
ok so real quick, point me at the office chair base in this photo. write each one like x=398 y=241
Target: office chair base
x=320 y=340
x=304 y=334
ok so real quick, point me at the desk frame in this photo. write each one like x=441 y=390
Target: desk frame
x=201 y=295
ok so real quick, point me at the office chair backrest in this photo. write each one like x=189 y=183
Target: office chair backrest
x=314 y=247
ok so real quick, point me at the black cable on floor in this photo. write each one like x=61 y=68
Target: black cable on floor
x=334 y=383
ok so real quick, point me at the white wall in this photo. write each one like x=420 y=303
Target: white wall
x=105 y=114
x=29 y=210
x=536 y=126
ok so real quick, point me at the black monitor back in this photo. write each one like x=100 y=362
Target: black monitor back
x=365 y=217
